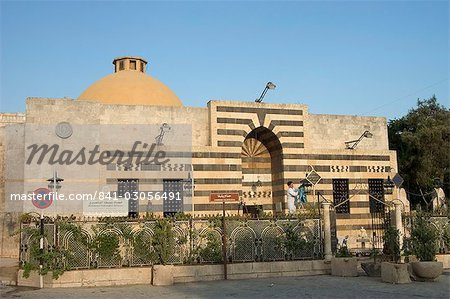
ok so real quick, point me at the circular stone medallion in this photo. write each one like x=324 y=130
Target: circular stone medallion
x=63 y=130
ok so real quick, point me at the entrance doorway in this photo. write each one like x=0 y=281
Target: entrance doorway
x=262 y=170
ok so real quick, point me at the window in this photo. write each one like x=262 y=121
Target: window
x=174 y=205
x=132 y=64
x=340 y=194
x=121 y=65
x=142 y=67
x=128 y=188
x=376 y=195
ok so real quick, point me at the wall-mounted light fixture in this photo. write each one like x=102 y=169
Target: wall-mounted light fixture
x=269 y=85
x=352 y=144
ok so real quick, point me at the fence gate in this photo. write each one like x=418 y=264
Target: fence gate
x=379 y=212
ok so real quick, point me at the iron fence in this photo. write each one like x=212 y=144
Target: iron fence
x=442 y=225
x=196 y=241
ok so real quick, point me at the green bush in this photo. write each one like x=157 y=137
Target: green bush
x=163 y=241
x=391 y=246
x=212 y=252
x=293 y=243
x=52 y=257
x=424 y=237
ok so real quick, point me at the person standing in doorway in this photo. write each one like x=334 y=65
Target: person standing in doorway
x=292 y=193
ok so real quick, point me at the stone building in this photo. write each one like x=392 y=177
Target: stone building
x=246 y=151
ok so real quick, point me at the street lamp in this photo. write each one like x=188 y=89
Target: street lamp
x=269 y=85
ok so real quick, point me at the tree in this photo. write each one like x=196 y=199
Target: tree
x=422 y=141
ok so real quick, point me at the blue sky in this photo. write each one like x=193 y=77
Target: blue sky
x=357 y=57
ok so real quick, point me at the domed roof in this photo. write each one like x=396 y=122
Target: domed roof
x=129 y=85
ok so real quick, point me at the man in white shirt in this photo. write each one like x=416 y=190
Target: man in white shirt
x=291 y=195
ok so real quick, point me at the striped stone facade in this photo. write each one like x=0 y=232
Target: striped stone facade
x=248 y=148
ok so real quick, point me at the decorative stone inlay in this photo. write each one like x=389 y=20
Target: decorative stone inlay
x=63 y=130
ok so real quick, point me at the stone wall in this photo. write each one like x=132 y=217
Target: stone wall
x=181 y=274
x=332 y=131
x=9 y=223
x=52 y=111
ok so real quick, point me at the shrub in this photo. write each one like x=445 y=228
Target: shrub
x=391 y=247
x=212 y=252
x=424 y=237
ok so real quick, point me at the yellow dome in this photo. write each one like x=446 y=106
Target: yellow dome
x=129 y=86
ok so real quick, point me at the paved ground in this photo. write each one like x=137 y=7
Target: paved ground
x=289 y=287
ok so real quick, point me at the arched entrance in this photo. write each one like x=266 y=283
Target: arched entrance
x=262 y=169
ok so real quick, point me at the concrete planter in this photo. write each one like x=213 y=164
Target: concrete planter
x=162 y=275
x=372 y=269
x=394 y=273
x=427 y=271
x=344 y=266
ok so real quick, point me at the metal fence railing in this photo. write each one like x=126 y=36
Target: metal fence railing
x=442 y=225
x=196 y=241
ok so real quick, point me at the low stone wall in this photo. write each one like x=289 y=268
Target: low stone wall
x=182 y=273
x=89 y=278
x=251 y=270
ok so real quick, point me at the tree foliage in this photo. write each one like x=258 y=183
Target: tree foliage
x=422 y=141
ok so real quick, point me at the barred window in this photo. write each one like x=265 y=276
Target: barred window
x=340 y=194
x=376 y=195
x=126 y=188
x=171 y=207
